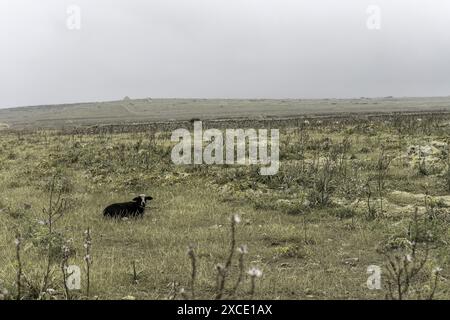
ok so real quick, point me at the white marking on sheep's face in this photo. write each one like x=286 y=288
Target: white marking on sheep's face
x=142 y=199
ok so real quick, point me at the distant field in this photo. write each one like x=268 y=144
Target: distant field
x=154 y=110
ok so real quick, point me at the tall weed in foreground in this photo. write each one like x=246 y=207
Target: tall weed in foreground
x=406 y=259
x=323 y=188
x=223 y=270
x=55 y=210
x=383 y=164
x=88 y=259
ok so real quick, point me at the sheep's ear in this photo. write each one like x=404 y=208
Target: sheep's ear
x=137 y=199
x=148 y=198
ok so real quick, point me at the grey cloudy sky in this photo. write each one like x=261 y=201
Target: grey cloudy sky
x=221 y=49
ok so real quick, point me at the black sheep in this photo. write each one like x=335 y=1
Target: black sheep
x=134 y=208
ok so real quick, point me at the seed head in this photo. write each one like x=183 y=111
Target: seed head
x=190 y=250
x=243 y=249
x=88 y=259
x=220 y=267
x=437 y=270
x=255 y=272
x=51 y=291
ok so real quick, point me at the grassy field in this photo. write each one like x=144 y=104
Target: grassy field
x=344 y=199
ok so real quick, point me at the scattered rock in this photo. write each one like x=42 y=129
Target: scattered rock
x=418 y=198
x=423 y=151
x=442 y=146
x=429 y=156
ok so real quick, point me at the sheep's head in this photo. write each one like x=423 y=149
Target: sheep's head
x=142 y=200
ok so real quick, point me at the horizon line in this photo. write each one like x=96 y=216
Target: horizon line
x=127 y=98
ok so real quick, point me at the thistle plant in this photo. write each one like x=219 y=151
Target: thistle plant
x=435 y=273
x=17 y=242
x=406 y=262
x=242 y=250
x=192 y=257
x=254 y=273
x=88 y=259
x=323 y=178
x=383 y=164
x=223 y=271
x=64 y=265
x=55 y=210
x=371 y=211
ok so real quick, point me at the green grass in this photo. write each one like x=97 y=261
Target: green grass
x=304 y=251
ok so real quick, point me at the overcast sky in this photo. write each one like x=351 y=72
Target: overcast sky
x=221 y=49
